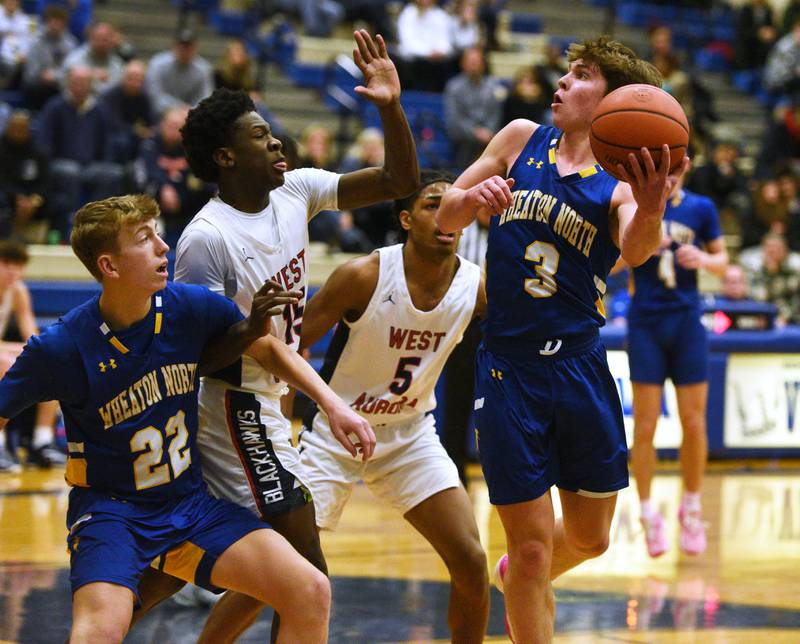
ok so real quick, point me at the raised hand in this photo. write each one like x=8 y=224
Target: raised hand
x=269 y=300
x=381 y=82
x=492 y=195
x=344 y=422
x=651 y=186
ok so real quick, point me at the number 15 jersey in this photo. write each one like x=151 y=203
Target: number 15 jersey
x=549 y=253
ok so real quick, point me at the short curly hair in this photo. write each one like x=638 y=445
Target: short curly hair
x=209 y=126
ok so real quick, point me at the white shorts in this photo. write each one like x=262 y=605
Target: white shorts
x=247 y=452
x=408 y=466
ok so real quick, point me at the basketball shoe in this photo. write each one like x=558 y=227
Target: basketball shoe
x=499 y=573
x=693 y=531
x=654 y=534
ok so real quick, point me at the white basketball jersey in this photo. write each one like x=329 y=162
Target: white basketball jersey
x=233 y=253
x=385 y=364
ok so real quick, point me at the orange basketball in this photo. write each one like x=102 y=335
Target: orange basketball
x=634 y=117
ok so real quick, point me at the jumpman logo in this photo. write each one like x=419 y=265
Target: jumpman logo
x=246 y=256
x=388 y=298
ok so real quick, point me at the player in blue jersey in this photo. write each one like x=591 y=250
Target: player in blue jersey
x=547 y=409
x=667 y=339
x=124 y=367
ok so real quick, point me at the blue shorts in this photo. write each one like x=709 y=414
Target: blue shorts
x=549 y=420
x=115 y=541
x=672 y=345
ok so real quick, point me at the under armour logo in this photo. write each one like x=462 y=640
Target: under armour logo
x=388 y=298
x=551 y=347
x=538 y=164
x=112 y=364
x=246 y=256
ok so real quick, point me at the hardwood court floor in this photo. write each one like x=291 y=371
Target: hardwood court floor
x=389 y=586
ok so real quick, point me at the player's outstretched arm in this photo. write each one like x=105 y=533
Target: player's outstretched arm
x=224 y=349
x=483 y=190
x=289 y=366
x=639 y=202
x=399 y=175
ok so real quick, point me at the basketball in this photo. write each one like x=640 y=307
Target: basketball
x=634 y=117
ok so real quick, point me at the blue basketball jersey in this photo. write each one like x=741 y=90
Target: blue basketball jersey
x=550 y=252
x=129 y=398
x=661 y=284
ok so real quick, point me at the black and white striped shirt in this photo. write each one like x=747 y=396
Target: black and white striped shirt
x=472 y=245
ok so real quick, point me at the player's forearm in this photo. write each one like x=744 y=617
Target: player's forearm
x=400 y=162
x=641 y=238
x=715 y=263
x=288 y=365
x=226 y=348
x=454 y=214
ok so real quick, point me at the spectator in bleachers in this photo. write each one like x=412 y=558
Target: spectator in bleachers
x=80 y=14
x=755 y=34
x=375 y=221
x=555 y=64
x=466 y=29
x=76 y=132
x=14 y=21
x=24 y=173
x=780 y=144
x=131 y=111
x=316 y=148
x=721 y=180
x=373 y=12
x=734 y=286
x=50 y=48
x=179 y=77
x=791 y=13
x=425 y=53
x=488 y=14
x=473 y=107
x=237 y=69
x=530 y=97
x=15 y=44
x=782 y=70
x=774 y=275
x=319 y=17
x=180 y=194
x=99 y=55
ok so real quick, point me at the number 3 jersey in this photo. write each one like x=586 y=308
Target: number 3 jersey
x=129 y=398
x=549 y=253
x=385 y=364
x=233 y=253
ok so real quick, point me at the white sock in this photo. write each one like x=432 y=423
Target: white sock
x=2 y=439
x=691 y=501
x=647 y=509
x=42 y=435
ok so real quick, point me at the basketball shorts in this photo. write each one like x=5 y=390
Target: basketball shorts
x=408 y=466
x=248 y=456
x=114 y=541
x=672 y=346
x=544 y=420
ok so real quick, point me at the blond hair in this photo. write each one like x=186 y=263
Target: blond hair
x=617 y=62
x=97 y=226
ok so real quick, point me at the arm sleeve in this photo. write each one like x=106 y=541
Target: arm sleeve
x=199 y=258
x=29 y=380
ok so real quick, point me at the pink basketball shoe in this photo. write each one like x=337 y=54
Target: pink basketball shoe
x=654 y=534
x=693 y=531
x=499 y=572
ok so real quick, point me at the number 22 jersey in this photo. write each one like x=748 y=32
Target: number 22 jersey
x=129 y=399
x=549 y=253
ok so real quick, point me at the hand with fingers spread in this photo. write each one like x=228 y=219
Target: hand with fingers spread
x=491 y=196
x=344 y=422
x=381 y=82
x=651 y=186
x=268 y=301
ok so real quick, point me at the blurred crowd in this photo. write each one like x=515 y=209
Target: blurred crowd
x=97 y=119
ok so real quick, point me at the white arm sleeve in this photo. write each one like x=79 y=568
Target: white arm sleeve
x=200 y=258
